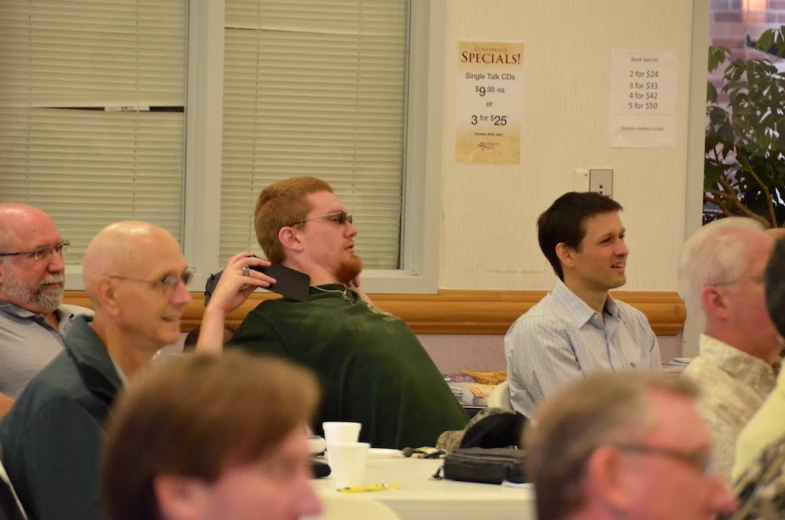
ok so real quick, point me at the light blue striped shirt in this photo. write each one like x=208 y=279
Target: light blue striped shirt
x=561 y=339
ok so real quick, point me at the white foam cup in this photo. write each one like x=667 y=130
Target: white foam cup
x=347 y=463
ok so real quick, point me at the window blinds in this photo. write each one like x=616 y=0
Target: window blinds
x=316 y=88
x=91 y=111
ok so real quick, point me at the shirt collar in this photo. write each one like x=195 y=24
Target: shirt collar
x=65 y=315
x=580 y=312
x=736 y=363
x=15 y=310
x=95 y=366
x=120 y=373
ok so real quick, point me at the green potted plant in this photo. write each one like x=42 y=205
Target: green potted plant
x=744 y=167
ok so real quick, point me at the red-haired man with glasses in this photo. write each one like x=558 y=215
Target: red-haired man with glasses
x=372 y=367
x=33 y=318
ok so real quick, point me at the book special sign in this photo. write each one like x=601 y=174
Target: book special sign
x=643 y=99
x=489 y=103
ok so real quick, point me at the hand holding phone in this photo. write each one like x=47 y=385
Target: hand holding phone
x=288 y=282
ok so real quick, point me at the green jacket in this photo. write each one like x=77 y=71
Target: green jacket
x=372 y=368
x=51 y=438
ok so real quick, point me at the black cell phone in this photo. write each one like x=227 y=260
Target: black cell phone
x=288 y=282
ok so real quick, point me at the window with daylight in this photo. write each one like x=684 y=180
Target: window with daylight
x=92 y=112
x=316 y=88
x=745 y=142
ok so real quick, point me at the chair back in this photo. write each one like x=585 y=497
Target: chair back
x=500 y=396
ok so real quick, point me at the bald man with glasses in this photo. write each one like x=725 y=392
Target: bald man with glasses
x=33 y=318
x=135 y=276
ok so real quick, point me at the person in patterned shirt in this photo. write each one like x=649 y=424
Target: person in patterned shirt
x=761 y=459
x=721 y=280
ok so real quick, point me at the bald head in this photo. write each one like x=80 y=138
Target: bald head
x=126 y=249
x=19 y=220
x=133 y=274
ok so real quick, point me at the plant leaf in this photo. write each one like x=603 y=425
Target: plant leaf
x=711 y=92
x=717 y=56
x=766 y=41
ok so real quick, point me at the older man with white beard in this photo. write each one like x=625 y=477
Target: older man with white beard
x=33 y=319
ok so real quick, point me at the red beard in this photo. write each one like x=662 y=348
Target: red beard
x=349 y=269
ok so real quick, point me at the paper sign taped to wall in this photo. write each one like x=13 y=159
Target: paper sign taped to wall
x=643 y=99
x=489 y=103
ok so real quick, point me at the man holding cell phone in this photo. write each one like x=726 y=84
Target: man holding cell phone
x=372 y=368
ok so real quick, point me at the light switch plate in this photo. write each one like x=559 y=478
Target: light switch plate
x=601 y=181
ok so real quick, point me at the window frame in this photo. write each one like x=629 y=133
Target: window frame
x=696 y=138
x=423 y=143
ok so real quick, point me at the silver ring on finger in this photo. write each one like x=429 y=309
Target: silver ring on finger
x=246 y=271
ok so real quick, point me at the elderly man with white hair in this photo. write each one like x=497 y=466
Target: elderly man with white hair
x=721 y=281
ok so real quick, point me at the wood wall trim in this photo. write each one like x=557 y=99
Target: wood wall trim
x=459 y=311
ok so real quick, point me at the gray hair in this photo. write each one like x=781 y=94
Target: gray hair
x=713 y=254
x=575 y=421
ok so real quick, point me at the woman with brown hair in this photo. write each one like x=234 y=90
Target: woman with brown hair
x=209 y=438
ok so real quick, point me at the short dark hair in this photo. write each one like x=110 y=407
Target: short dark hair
x=775 y=286
x=565 y=222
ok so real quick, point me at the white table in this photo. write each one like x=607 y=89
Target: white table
x=421 y=497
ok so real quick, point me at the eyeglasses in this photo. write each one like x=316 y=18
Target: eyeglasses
x=168 y=283
x=755 y=279
x=339 y=217
x=699 y=459
x=43 y=252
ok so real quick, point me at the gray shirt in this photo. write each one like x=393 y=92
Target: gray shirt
x=28 y=343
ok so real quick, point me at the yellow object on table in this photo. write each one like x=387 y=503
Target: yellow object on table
x=487 y=378
x=370 y=487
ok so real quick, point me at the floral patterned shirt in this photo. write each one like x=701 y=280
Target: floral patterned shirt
x=761 y=487
x=733 y=386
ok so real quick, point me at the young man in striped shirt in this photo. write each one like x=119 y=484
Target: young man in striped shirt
x=578 y=328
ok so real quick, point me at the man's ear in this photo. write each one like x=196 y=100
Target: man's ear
x=566 y=255
x=714 y=301
x=106 y=295
x=180 y=498
x=605 y=479
x=290 y=239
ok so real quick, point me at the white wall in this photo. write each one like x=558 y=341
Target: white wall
x=489 y=212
